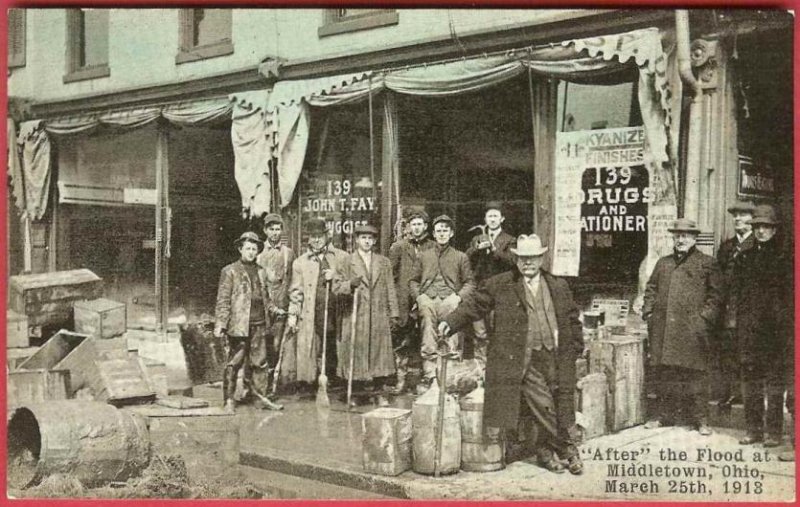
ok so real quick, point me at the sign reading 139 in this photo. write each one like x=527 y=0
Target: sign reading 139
x=336 y=187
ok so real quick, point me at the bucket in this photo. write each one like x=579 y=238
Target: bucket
x=479 y=452
x=424 y=417
x=94 y=442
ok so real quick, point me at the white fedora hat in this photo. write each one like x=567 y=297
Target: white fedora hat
x=528 y=245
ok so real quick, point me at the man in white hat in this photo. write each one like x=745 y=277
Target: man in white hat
x=534 y=308
x=681 y=305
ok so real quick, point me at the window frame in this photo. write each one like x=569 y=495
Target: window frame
x=75 y=71
x=17 y=58
x=334 y=24
x=188 y=51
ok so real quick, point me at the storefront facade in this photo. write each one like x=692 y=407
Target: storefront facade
x=360 y=136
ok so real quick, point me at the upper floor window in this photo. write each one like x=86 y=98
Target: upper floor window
x=16 y=38
x=87 y=44
x=350 y=20
x=204 y=33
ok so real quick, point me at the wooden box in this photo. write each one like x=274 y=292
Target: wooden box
x=46 y=298
x=386 y=441
x=16 y=330
x=28 y=386
x=65 y=350
x=592 y=393
x=621 y=359
x=15 y=357
x=206 y=438
x=100 y=318
x=121 y=380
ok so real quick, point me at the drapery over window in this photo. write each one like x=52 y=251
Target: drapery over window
x=579 y=60
x=248 y=133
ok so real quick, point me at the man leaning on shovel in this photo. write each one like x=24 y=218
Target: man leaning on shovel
x=244 y=312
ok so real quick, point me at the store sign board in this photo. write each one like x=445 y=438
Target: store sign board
x=755 y=180
x=610 y=153
x=139 y=196
x=342 y=203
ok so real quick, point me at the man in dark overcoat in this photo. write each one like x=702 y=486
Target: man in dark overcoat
x=681 y=306
x=403 y=254
x=533 y=346
x=489 y=254
x=729 y=254
x=764 y=296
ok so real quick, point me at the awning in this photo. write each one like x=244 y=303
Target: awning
x=571 y=60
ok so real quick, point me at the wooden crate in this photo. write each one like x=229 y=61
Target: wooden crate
x=16 y=330
x=29 y=386
x=121 y=380
x=206 y=438
x=386 y=441
x=46 y=298
x=592 y=397
x=65 y=350
x=100 y=318
x=15 y=357
x=621 y=359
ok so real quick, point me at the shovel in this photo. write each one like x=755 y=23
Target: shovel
x=322 y=380
x=352 y=347
x=437 y=453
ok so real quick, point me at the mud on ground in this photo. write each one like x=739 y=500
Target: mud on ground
x=165 y=477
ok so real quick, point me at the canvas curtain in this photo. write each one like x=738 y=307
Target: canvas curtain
x=579 y=59
x=34 y=141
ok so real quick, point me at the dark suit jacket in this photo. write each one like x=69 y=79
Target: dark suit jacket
x=487 y=264
x=505 y=364
x=453 y=265
x=232 y=311
x=403 y=257
x=727 y=262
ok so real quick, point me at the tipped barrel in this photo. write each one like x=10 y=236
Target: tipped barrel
x=92 y=441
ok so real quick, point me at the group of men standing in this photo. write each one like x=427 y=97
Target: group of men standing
x=372 y=314
x=733 y=315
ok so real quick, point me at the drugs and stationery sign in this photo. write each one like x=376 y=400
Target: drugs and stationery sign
x=755 y=179
x=605 y=162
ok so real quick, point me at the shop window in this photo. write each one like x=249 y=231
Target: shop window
x=337 y=182
x=16 y=38
x=351 y=20
x=204 y=33
x=87 y=44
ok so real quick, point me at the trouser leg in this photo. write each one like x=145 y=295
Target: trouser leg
x=699 y=394
x=257 y=379
x=753 y=393
x=481 y=341
x=775 y=390
x=237 y=352
x=428 y=323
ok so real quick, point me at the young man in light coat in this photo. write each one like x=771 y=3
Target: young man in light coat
x=312 y=276
x=369 y=276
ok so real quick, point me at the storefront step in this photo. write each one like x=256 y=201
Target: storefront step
x=279 y=485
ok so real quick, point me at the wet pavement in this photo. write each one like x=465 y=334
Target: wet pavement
x=672 y=463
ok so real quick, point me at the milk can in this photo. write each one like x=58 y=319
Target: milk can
x=424 y=417
x=479 y=452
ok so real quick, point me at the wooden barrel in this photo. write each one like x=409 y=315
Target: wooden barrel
x=91 y=441
x=424 y=417
x=479 y=452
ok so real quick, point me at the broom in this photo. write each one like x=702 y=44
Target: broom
x=352 y=347
x=322 y=381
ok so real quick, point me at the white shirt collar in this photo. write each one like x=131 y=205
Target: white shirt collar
x=743 y=237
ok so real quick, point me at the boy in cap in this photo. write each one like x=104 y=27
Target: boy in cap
x=243 y=313
x=763 y=295
x=681 y=305
x=489 y=255
x=403 y=254
x=442 y=278
x=276 y=259
x=312 y=277
x=730 y=252
x=368 y=277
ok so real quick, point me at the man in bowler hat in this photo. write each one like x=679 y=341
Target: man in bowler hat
x=681 y=305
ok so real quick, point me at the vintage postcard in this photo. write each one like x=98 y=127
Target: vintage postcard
x=376 y=253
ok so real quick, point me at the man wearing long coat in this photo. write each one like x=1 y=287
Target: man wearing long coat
x=681 y=305
x=731 y=252
x=369 y=276
x=533 y=346
x=763 y=294
x=310 y=274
